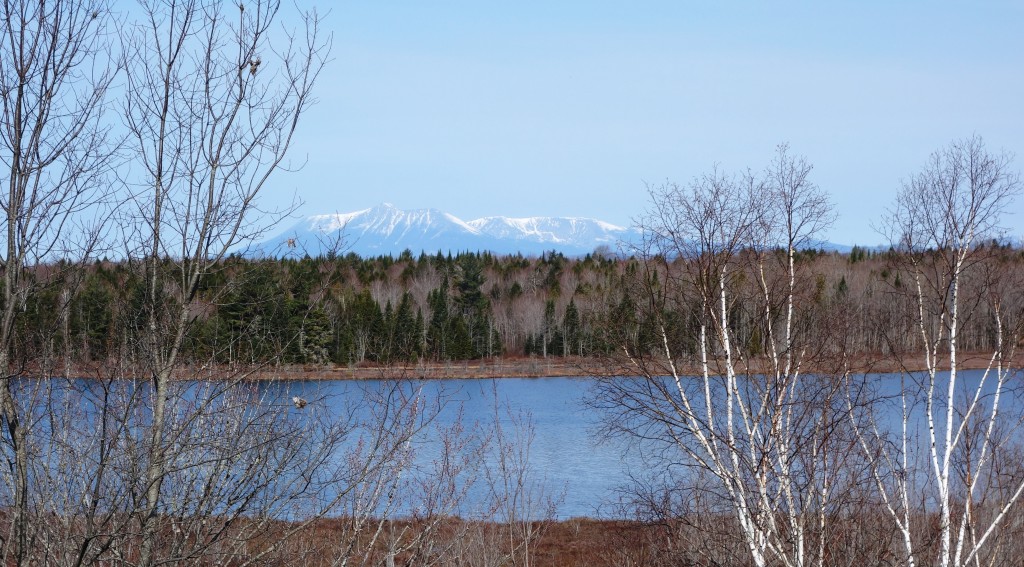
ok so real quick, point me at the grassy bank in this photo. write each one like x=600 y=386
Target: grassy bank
x=538 y=367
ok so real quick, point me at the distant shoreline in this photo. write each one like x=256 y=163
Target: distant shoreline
x=539 y=367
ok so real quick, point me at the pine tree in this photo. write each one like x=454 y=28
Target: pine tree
x=387 y=342
x=437 y=332
x=548 y=328
x=405 y=330
x=315 y=337
x=571 y=330
x=367 y=324
x=420 y=334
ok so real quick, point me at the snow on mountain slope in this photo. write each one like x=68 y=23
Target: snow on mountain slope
x=566 y=230
x=386 y=229
x=390 y=223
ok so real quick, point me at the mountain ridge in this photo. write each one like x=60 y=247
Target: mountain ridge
x=386 y=229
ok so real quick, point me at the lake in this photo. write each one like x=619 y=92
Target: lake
x=567 y=455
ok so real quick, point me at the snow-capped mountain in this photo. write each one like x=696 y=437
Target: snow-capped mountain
x=554 y=230
x=386 y=229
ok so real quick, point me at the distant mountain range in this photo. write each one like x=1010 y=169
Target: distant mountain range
x=386 y=229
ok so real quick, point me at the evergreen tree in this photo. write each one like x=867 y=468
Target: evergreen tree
x=366 y=326
x=386 y=340
x=421 y=334
x=406 y=340
x=548 y=327
x=571 y=332
x=315 y=337
x=92 y=318
x=438 y=331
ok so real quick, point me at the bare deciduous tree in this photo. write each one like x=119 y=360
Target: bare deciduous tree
x=763 y=430
x=163 y=453
x=950 y=437
x=54 y=74
x=213 y=97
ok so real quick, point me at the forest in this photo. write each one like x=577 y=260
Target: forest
x=349 y=310
x=136 y=148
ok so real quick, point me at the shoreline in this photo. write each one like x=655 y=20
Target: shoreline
x=536 y=367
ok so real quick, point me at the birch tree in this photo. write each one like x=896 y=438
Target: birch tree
x=765 y=432
x=943 y=454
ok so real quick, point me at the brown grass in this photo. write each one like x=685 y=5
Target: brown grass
x=536 y=367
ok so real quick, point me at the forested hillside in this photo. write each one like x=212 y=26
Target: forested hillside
x=349 y=310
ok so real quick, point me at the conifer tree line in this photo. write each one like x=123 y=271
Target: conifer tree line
x=349 y=310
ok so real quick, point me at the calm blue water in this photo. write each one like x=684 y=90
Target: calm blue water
x=567 y=453
x=568 y=458
x=568 y=461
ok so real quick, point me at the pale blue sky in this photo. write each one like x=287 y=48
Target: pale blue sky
x=568 y=108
